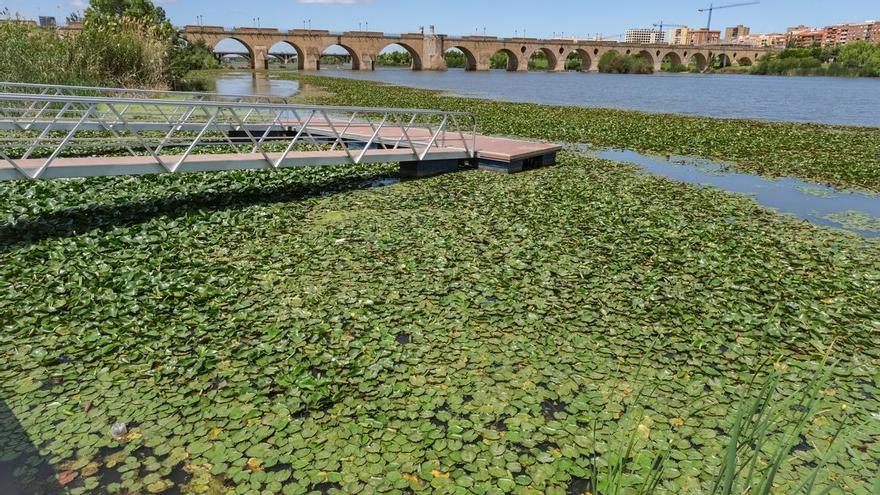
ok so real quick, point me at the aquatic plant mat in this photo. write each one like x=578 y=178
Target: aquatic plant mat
x=847 y=157
x=295 y=331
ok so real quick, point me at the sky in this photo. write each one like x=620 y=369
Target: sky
x=543 y=18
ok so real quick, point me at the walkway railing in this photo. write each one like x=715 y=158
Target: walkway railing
x=67 y=90
x=39 y=132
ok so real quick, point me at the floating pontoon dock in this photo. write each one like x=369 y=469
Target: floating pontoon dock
x=46 y=130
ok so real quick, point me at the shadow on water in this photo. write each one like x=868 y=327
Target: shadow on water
x=23 y=471
x=71 y=222
x=818 y=204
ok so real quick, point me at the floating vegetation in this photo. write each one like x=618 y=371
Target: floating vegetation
x=817 y=191
x=847 y=157
x=580 y=328
x=856 y=220
x=290 y=332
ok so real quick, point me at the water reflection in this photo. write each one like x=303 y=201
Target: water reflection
x=816 y=203
x=22 y=469
x=254 y=83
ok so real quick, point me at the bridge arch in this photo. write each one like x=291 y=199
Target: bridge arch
x=673 y=58
x=355 y=59
x=745 y=61
x=279 y=48
x=646 y=56
x=579 y=55
x=232 y=46
x=416 y=63
x=699 y=60
x=497 y=62
x=548 y=54
x=722 y=60
x=469 y=61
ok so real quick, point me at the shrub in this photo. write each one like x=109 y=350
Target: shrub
x=122 y=43
x=615 y=63
x=45 y=54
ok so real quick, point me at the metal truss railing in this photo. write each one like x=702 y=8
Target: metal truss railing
x=67 y=90
x=37 y=131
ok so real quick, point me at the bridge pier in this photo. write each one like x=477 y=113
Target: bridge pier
x=261 y=58
x=433 y=57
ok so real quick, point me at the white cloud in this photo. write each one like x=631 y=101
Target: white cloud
x=80 y=4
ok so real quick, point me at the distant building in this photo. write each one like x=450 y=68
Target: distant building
x=645 y=36
x=836 y=35
x=680 y=36
x=47 y=22
x=770 y=40
x=808 y=38
x=841 y=34
x=704 y=36
x=732 y=33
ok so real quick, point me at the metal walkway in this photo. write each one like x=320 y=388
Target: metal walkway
x=59 y=133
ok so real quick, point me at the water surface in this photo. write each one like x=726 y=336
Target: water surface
x=826 y=100
x=254 y=83
x=818 y=204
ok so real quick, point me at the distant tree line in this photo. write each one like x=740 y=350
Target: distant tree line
x=394 y=59
x=854 y=59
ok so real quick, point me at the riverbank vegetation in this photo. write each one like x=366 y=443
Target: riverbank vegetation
x=394 y=59
x=847 y=157
x=854 y=59
x=612 y=62
x=122 y=43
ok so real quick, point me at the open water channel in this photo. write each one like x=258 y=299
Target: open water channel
x=821 y=205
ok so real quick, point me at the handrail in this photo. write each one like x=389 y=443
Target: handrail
x=41 y=130
x=186 y=103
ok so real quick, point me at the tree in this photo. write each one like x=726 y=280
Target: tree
x=138 y=9
x=455 y=59
x=144 y=11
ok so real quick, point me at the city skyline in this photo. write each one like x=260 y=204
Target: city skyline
x=583 y=19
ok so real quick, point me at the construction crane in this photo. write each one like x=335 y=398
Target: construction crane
x=712 y=8
x=660 y=25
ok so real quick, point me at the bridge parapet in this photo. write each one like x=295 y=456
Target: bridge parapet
x=249 y=30
x=309 y=32
x=364 y=34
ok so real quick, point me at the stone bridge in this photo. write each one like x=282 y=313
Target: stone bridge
x=427 y=50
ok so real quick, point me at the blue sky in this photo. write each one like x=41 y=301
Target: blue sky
x=499 y=17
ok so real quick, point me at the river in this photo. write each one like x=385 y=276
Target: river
x=824 y=100
x=820 y=205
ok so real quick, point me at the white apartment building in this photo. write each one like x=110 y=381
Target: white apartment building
x=644 y=36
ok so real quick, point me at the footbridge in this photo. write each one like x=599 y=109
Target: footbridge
x=65 y=132
x=428 y=49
